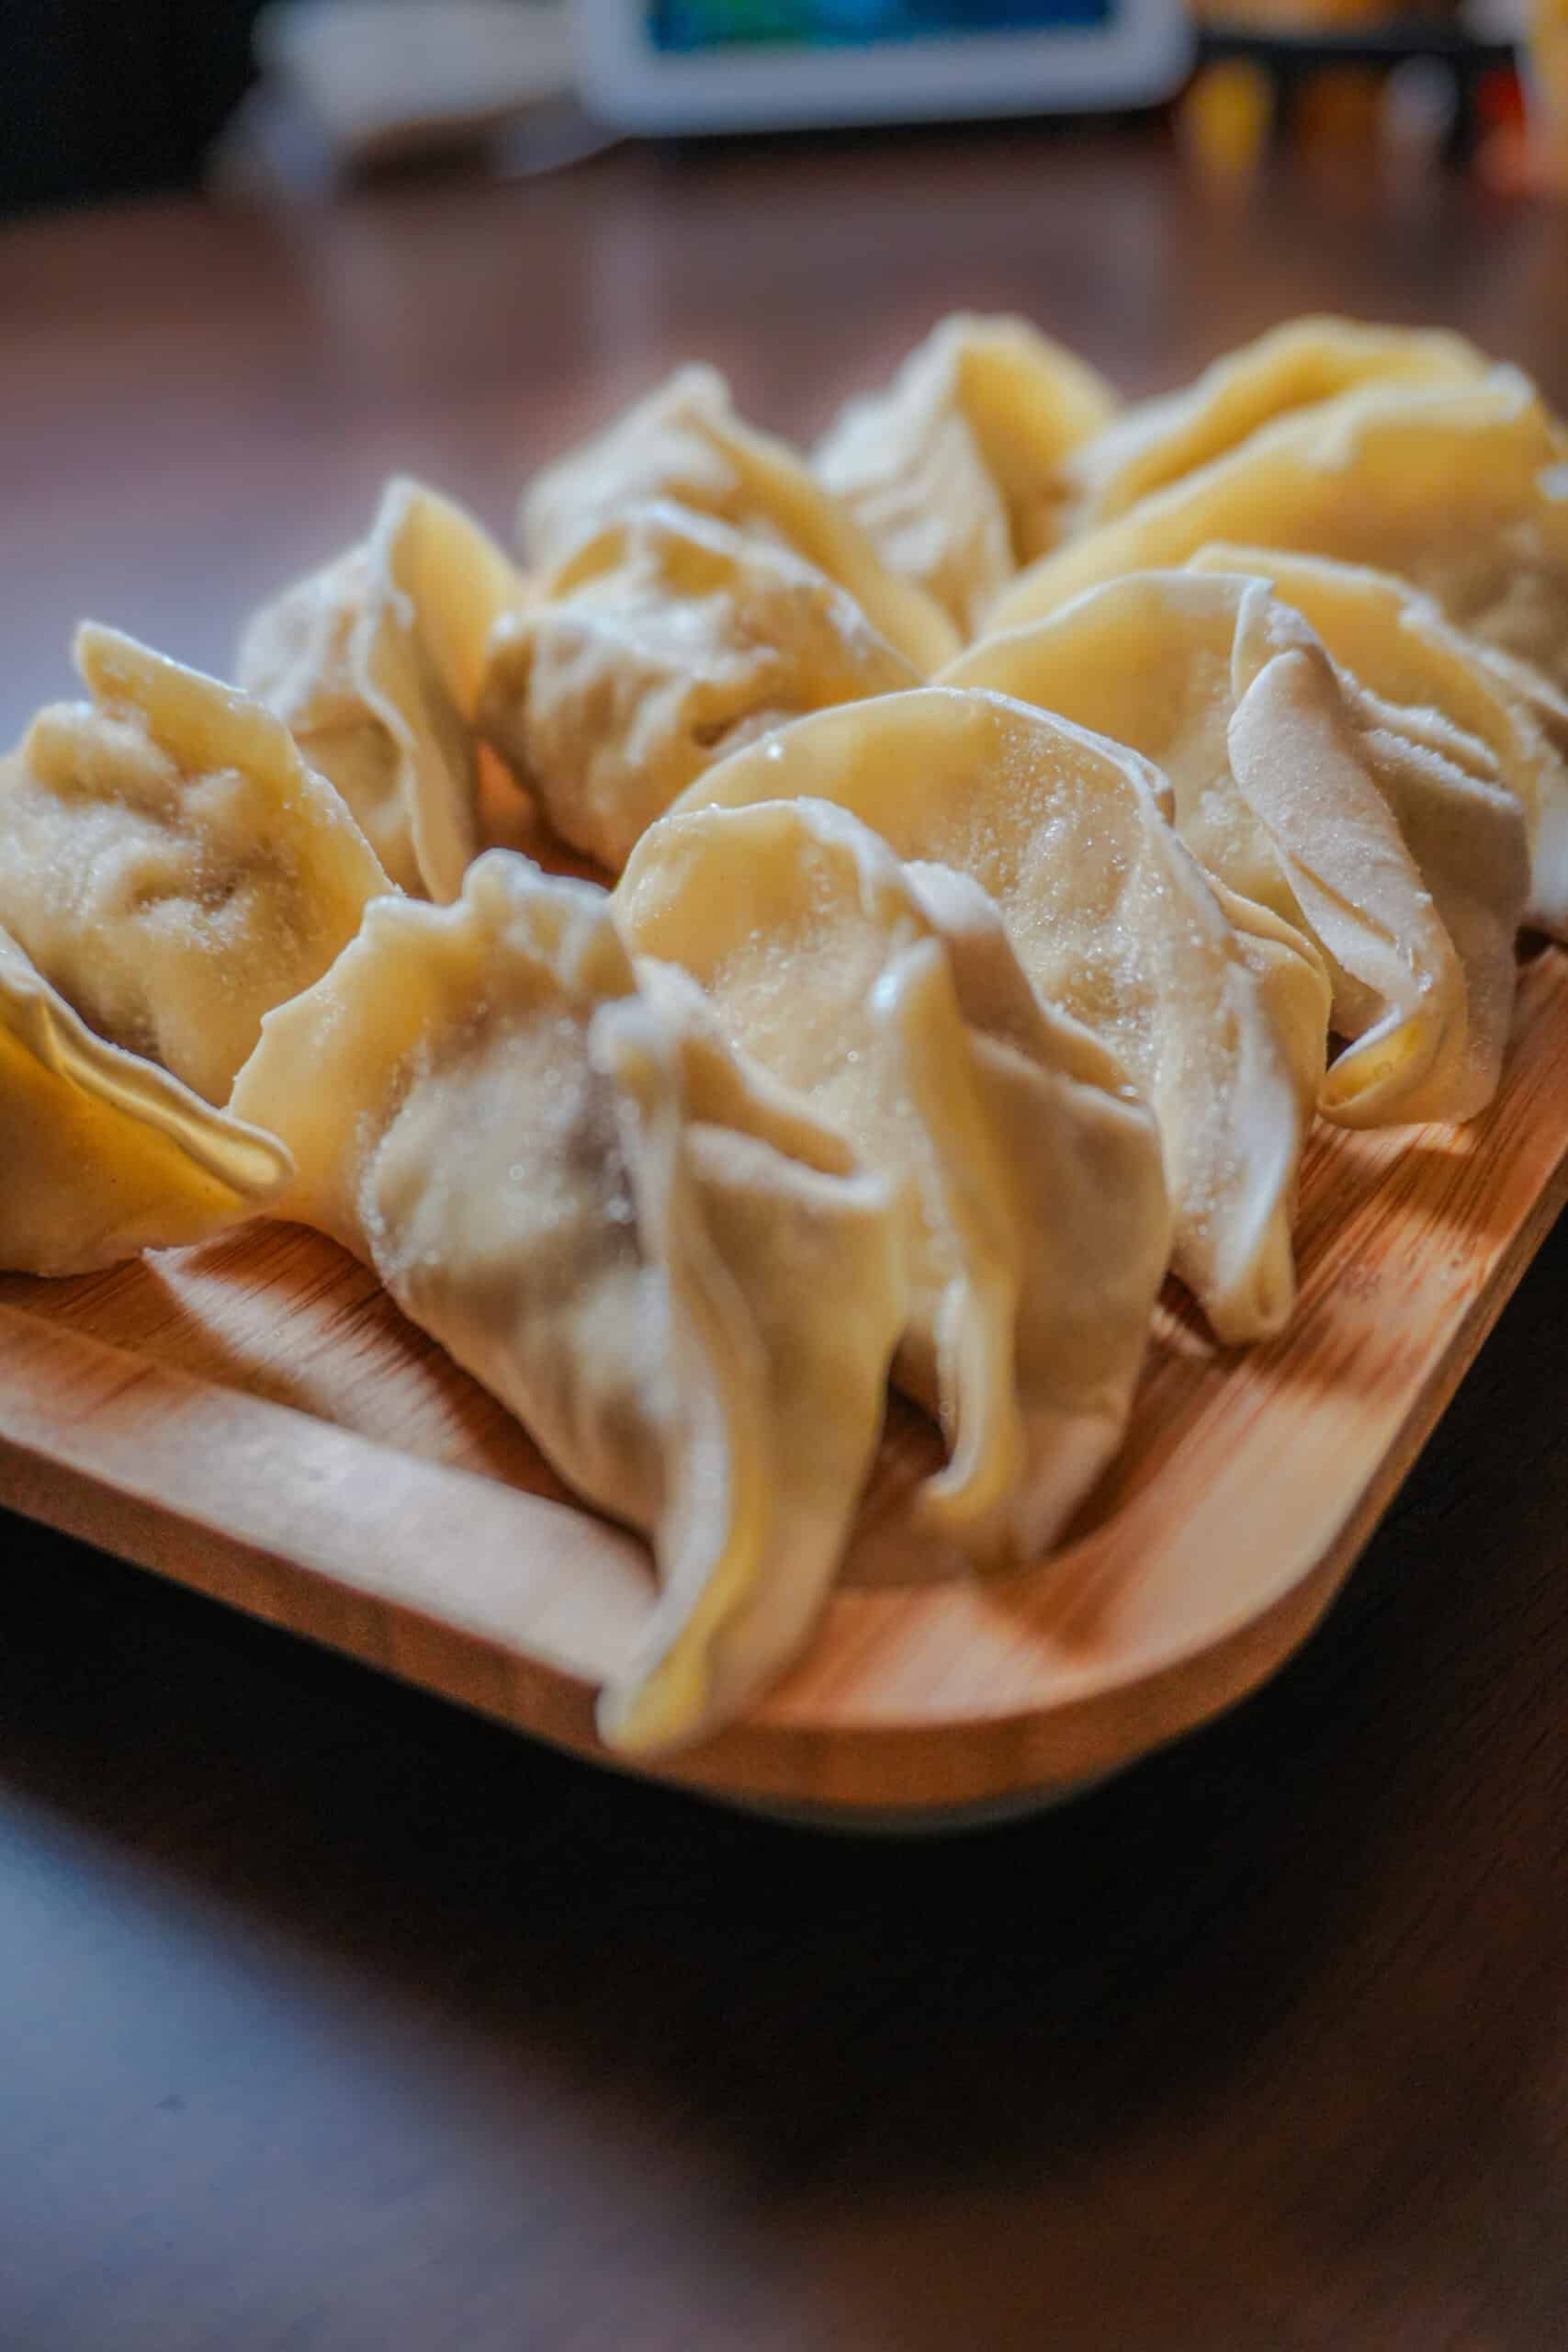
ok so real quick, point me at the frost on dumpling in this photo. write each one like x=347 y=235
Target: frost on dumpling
x=955 y=469
x=1297 y=366
x=376 y=662
x=685 y=442
x=1390 y=844
x=665 y=641
x=1442 y=684
x=1029 y=1181
x=103 y=1154
x=1461 y=489
x=674 y=1275
x=1114 y=922
x=169 y=864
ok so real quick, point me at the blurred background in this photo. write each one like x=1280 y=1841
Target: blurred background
x=99 y=99
x=255 y=258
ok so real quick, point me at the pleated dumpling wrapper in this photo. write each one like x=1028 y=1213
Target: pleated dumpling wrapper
x=666 y=640
x=1297 y=366
x=1461 y=488
x=1222 y=1028
x=1394 y=851
x=1029 y=1175
x=376 y=663
x=674 y=1275
x=955 y=468
x=684 y=442
x=169 y=864
x=102 y=1154
x=1444 y=685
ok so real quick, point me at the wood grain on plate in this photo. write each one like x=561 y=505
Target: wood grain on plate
x=257 y=1420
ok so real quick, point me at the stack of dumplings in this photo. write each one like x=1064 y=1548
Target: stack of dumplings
x=685 y=442
x=1016 y=824
x=1036 y=1227
x=666 y=639
x=1112 y=922
x=1300 y=791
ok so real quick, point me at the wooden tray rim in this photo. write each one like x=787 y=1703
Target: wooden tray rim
x=544 y=1584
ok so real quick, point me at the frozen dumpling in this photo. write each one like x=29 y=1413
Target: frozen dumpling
x=955 y=470
x=1391 y=847
x=1297 y=366
x=684 y=442
x=376 y=663
x=1441 y=683
x=1114 y=922
x=1462 y=487
x=666 y=640
x=101 y=1153
x=669 y=1269
x=1037 y=1226
x=169 y=863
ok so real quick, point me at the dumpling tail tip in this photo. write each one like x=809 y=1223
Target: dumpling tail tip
x=652 y=1713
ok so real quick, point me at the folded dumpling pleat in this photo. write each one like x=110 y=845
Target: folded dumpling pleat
x=685 y=442
x=1114 y=922
x=1443 y=684
x=1461 y=488
x=1390 y=844
x=102 y=1154
x=664 y=641
x=955 y=469
x=671 y=1272
x=170 y=864
x=376 y=663
x=1461 y=837
x=1297 y=366
x=1031 y=1183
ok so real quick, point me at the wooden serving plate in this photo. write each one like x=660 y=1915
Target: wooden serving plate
x=255 y=1420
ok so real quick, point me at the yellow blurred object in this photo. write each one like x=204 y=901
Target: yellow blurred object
x=1549 y=88
x=1226 y=116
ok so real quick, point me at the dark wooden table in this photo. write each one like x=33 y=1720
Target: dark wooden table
x=334 y=2021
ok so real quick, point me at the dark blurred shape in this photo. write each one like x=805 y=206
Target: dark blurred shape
x=104 y=97
x=1318 y=82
